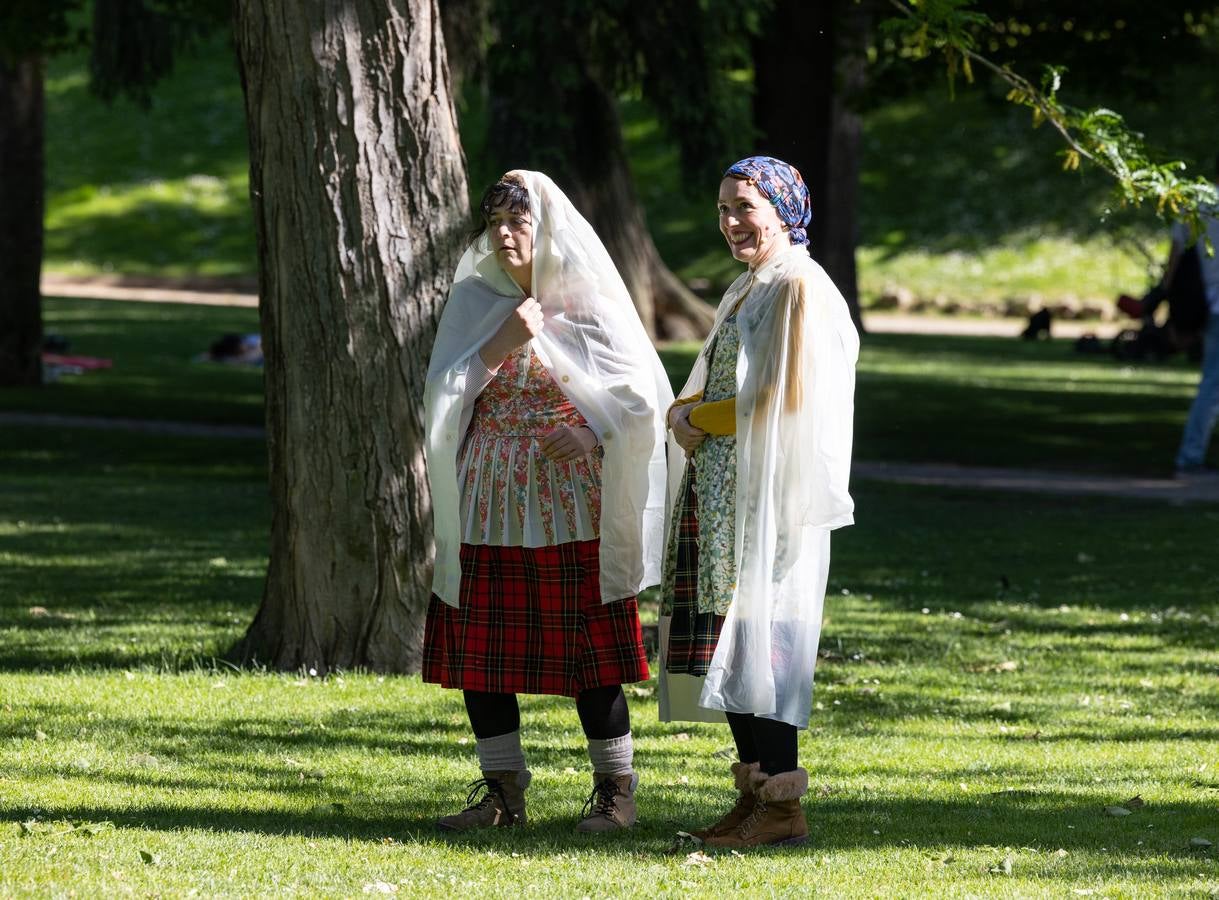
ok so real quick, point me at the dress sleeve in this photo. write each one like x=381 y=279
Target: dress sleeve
x=478 y=376
x=717 y=417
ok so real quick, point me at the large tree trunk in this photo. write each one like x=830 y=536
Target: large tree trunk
x=359 y=192
x=21 y=203
x=823 y=144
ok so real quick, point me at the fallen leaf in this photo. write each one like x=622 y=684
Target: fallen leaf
x=1116 y=811
x=39 y=734
x=682 y=736
x=1083 y=892
x=697 y=858
x=145 y=761
x=1060 y=853
x=1134 y=802
x=1003 y=868
x=39 y=611
x=725 y=753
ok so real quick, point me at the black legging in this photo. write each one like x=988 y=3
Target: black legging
x=603 y=713
x=765 y=741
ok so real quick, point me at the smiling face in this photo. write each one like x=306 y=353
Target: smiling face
x=749 y=222
x=510 y=233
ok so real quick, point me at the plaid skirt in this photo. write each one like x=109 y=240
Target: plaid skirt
x=692 y=635
x=531 y=621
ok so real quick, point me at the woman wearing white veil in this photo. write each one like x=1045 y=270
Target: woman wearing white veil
x=765 y=420
x=546 y=460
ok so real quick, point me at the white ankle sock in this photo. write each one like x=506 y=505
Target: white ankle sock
x=502 y=753
x=613 y=756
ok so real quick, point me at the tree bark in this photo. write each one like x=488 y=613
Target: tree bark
x=21 y=211
x=823 y=144
x=358 y=186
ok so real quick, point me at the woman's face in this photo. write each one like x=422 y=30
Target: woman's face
x=511 y=237
x=748 y=221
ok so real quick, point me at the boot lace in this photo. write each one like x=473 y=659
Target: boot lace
x=494 y=790
x=601 y=801
x=746 y=827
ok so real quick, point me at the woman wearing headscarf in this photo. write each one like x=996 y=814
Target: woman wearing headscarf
x=545 y=407
x=765 y=419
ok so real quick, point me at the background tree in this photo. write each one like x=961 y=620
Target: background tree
x=132 y=44
x=554 y=81
x=359 y=191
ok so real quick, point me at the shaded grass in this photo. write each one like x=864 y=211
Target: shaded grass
x=996 y=669
x=163 y=191
x=152 y=346
x=1004 y=402
x=920 y=398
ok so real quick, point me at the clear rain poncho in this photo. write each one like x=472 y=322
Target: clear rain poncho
x=794 y=407
x=595 y=347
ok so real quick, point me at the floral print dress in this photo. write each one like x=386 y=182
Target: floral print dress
x=699 y=574
x=511 y=494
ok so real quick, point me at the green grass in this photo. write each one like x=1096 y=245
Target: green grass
x=920 y=398
x=980 y=702
x=163 y=191
x=152 y=346
x=961 y=199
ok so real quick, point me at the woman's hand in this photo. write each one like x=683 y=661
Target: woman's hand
x=522 y=325
x=688 y=436
x=565 y=443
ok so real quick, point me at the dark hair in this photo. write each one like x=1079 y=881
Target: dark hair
x=509 y=191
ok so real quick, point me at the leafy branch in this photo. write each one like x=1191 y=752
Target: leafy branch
x=1099 y=136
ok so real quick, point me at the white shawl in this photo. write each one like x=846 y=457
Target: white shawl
x=794 y=406
x=596 y=349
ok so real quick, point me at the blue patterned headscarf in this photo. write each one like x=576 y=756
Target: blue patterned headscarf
x=782 y=185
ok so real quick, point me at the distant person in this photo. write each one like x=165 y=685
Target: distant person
x=545 y=445
x=766 y=423
x=1203 y=412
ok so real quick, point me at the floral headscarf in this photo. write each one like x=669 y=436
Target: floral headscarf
x=782 y=185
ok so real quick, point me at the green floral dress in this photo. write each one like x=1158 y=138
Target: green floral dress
x=699 y=574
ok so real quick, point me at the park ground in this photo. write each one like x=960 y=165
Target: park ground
x=1017 y=692
x=1002 y=674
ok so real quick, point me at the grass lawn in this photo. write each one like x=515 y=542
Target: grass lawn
x=152 y=346
x=921 y=398
x=998 y=669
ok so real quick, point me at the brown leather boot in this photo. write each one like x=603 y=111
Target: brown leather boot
x=741 y=774
x=501 y=805
x=777 y=819
x=611 y=805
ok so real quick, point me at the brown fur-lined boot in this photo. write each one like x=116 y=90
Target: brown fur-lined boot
x=730 y=821
x=777 y=819
x=501 y=805
x=611 y=805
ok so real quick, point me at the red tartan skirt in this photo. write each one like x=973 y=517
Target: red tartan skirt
x=531 y=621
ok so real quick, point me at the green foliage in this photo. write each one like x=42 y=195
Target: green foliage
x=677 y=56
x=40 y=27
x=1098 y=135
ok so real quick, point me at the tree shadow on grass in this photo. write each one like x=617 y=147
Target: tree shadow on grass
x=1041 y=821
